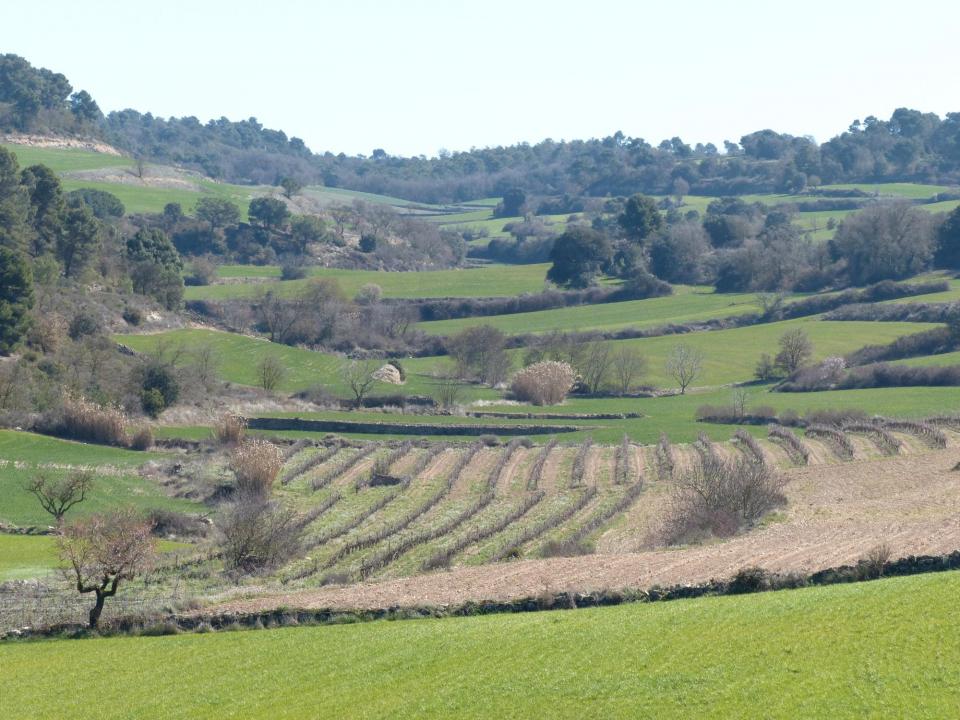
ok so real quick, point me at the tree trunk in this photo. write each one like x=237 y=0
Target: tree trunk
x=96 y=610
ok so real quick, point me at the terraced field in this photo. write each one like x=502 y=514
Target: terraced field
x=584 y=515
x=492 y=281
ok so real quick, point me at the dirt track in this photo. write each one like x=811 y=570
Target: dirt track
x=835 y=514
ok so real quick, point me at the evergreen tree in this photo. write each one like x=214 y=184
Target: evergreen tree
x=16 y=299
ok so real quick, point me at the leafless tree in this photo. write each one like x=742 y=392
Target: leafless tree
x=277 y=315
x=480 y=352
x=795 y=350
x=341 y=216
x=205 y=363
x=740 y=402
x=627 y=365
x=58 y=496
x=448 y=387
x=102 y=550
x=270 y=372
x=596 y=365
x=358 y=376
x=684 y=364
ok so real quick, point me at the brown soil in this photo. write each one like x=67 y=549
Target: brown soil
x=835 y=514
x=550 y=476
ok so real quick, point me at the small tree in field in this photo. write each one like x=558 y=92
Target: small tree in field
x=628 y=365
x=58 y=496
x=543 y=383
x=684 y=364
x=796 y=349
x=100 y=551
x=270 y=372
x=358 y=376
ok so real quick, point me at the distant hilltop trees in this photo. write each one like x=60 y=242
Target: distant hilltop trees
x=910 y=146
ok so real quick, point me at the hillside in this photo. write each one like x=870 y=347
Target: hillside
x=911 y=146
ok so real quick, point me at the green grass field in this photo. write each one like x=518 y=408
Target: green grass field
x=487 y=281
x=239 y=355
x=136 y=197
x=889 y=648
x=688 y=304
x=31 y=556
x=731 y=355
x=66 y=159
x=23 y=455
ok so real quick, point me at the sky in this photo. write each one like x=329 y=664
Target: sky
x=417 y=76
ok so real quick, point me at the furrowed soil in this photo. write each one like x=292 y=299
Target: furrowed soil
x=835 y=513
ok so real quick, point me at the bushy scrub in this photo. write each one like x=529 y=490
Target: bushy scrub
x=543 y=383
x=256 y=464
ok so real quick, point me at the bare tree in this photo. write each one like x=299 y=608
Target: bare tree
x=358 y=376
x=628 y=365
x=277 y=315
x=795 y=350
x=684 y=364
x=102 y=550
x=58 y=496
x=205 y=363
x=341 y=216
x=595 y=365
x=270 y=372
x=448 y=387
x=739 y=402
x=480 y=352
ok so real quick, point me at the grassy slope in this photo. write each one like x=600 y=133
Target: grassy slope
x=116 y=480
x=31 y=556
x=689 y=304
x=491 y=281
x=889 y=648
x=730 y=355
x=66 y=159
x=239 y=356
x=136 y=197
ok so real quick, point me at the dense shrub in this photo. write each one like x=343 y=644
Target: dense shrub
x=142 y=439
x=172 y=522
x=256 y=464
x=82 y=324
x=929 y=342
x=257 y=535
x=878 y=375
x=81 y=419
x=229 y=429
x=895 y=312
x=543 y=383
x=719 y=498
x=159 y=388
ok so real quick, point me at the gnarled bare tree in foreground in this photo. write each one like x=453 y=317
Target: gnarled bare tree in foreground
x=103 y=550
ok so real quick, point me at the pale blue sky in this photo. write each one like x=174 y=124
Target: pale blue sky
x=419 y=75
